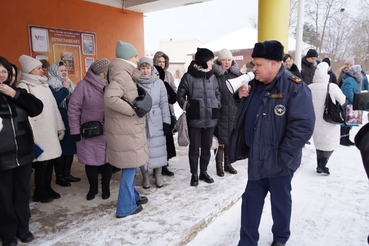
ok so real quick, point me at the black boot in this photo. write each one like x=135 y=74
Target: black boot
x=47 y=181
x=219 y=161
x=166 y=171
x=67 y=168
x=92 y=176
x=40 y=195
x=205 y=176
x=345 y=134
x=194 y=179
x=106 y=173
x=322 y=166
x=59 y=169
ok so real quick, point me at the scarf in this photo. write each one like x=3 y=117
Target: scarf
x=147 y=80
x=33 y=80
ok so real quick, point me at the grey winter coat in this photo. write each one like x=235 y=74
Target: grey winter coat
x=158 y=115
x=200 y=88
x=228 y=110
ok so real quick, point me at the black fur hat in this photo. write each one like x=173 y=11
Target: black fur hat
x=202 y=56
x=271 y=50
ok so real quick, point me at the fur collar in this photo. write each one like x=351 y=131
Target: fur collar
x=219 y=70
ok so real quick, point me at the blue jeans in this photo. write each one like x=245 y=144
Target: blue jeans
x=252 y=208
x=128 y=195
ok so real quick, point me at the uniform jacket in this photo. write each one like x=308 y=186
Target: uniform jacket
x=17 y=145
x=158 y=115
x=362 y=143
x=168 y=75
x=349 y=87
x=228 y=109
x=46 y=125
x=326 y=136
x=285 y=121
x=87 y=104
x=307 y=71
x=125 y=131
x=201 y=90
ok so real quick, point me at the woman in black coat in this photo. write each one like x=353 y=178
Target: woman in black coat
x=16 y=156
x=225 y=68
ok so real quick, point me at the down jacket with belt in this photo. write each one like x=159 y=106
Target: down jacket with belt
x=16 y=145
x=125 y=131
x=201 y=90
x=284 y=122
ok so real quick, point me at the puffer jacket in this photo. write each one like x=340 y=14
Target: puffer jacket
x=17 y=145
x=228 y=109
x=307 y=71
x=125 y=131
x=155 y=118
x=87 y=104
x=349 y=87
x=284 y=124
x=201 y=90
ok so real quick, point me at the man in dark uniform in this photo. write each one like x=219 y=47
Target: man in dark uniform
x=274 y=120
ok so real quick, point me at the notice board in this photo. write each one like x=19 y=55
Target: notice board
x=76 y=48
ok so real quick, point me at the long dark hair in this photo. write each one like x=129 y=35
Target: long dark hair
x=4 y=62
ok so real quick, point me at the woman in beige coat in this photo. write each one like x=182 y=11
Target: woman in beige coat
x=125 y=131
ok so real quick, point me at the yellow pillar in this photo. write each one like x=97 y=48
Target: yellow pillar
x=273 y=23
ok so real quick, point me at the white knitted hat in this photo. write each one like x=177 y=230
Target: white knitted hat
x=28 y=63
x=224 y=54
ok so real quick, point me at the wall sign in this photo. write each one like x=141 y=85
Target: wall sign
x=76 y=48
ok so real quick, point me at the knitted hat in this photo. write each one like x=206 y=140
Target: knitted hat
x=224 y=54
x=100 y=66
x=145 y=60
x=202 y=56
x=125 y=50
x=28 y=63
x=311 y=53
x=350 y=61
x=271 y=50
x=327 y=61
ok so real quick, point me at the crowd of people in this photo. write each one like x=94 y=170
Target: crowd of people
x=46 y=119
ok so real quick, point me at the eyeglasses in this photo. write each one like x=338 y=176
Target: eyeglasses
x=4 y=72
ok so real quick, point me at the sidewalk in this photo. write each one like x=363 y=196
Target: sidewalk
x=173 y=216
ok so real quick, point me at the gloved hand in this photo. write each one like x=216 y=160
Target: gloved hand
x=61 y=134
x=76 y=137
x=166 y=128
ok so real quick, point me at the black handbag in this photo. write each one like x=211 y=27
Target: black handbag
x=91 y=129
x=142 y=104
x=333 y=113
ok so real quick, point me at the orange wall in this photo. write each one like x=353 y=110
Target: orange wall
x=110 y=24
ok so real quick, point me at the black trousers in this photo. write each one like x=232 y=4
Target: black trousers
x=14 y=201
x=199 y=138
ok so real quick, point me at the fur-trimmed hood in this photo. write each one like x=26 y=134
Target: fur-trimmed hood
x=219 y=70
x=161 y=54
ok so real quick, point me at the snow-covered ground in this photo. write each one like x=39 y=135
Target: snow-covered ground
x=327 y=210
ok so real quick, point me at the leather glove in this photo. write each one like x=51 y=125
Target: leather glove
x=61 y=134
x=166 y=128
x=76 y=137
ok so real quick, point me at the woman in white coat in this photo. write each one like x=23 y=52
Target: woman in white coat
x=326 y=136
x=157 y=122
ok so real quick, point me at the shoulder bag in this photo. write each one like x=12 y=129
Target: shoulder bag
x=142 y=104
x=182 y=128
x=333 y=113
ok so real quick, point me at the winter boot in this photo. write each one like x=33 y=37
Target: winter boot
x=92 y=176
x=166 y=171
x=145 y=178
x=59 y=169
x=67 y=168
x=158 y=177
x=106 y=173
x=219 y=161
x=345 y=140
x=40 y=195
x=322 y=166
x=228 y=167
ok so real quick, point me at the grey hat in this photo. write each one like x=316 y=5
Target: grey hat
x=224 y=54
x=100 y=66
x=355 y=69
x=28 y=63
x=145 y=60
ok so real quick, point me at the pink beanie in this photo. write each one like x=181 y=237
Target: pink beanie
x=350 y=61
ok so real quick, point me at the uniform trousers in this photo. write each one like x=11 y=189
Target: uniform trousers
x=252 y=208
x=14 y=201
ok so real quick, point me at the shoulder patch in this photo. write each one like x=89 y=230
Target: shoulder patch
x=295 y=79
